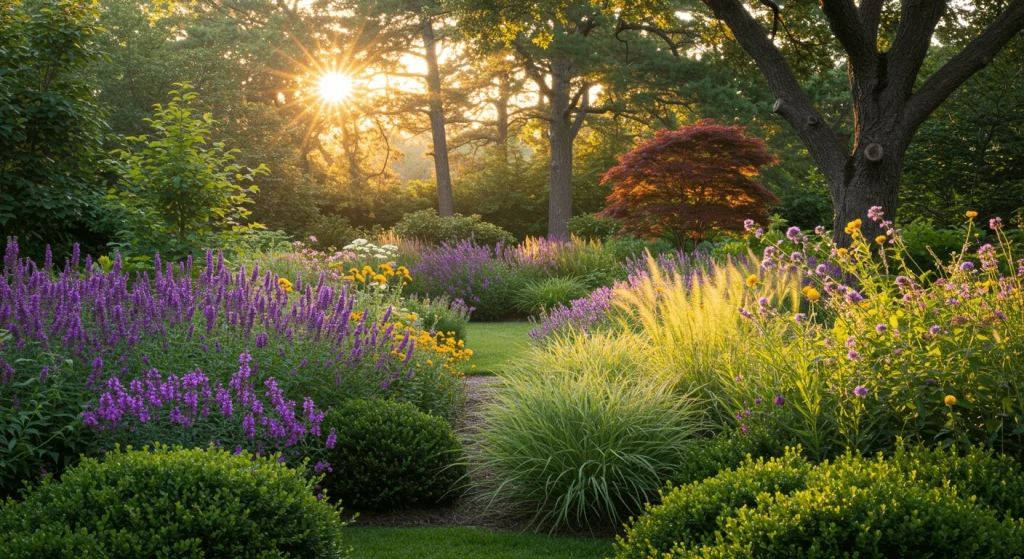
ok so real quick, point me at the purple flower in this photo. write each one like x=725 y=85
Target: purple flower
x=967 y=266
x=332 y=439
x=860 y=391
x=853 y=355
x=799 y=317
x=875 y=213
x=995 y=223
x=779 y=400
x=748 y=224
x=854 y=297
x=793 y=234
x=758 y=400
x=881 y=328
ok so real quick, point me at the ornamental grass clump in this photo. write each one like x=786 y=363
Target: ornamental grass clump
x=583 y=448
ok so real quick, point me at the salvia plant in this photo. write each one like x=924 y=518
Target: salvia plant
x=90 y=322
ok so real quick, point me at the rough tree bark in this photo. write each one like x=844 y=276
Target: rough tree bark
x=887 y=109
x=442 y=171
x=560 y=138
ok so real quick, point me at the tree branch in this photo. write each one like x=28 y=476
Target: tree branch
x=846 y=25
x=969 y=61
x=792 y=103
x=918 y=19
x=870 y=12
x=581 y=112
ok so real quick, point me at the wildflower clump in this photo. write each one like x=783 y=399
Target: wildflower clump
x=876 y=320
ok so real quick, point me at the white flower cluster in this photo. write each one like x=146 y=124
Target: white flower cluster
x=363 y=247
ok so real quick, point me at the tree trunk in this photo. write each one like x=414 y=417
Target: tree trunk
x=560 y=138
x=442 y=172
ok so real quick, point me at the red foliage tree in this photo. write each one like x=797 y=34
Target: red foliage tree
x=690 y=181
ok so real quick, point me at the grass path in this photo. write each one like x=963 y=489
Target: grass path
x=467 y=543
x=494 y=343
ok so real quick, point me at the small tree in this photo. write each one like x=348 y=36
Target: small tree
x=182 y=197
x=690 y=181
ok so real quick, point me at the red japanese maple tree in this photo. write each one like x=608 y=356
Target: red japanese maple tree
x=689 y=181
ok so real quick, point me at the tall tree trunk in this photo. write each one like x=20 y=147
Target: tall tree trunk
x=442 y=172
x=560 y=138
x=501 y=107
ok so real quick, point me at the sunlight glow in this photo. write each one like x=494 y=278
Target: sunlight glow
x=335 y=87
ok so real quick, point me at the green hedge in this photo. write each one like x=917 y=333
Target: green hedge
x=428 y=227
x=918 y=503
x=391 y=455
x=173 y=503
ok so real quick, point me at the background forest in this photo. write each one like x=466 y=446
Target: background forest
x=456 y=93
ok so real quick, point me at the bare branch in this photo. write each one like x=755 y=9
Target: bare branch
x=918 y=19
x=846 y=25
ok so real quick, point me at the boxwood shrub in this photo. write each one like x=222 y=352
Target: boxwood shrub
x=173 y=503
x=916 y=504
x=390 y=455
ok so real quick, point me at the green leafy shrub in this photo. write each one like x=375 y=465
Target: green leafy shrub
x=333 y=231
x=428 y=227
x=583 y=448
x=543 y=295
x=624 y=247
x=440 y=315
x=708 y=457
x=173 y=503
x=923 y=242
x=872 y=507
x=590 y=226
x=390 y=455
x=179 y=196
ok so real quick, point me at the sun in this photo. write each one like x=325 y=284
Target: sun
x=335 y=87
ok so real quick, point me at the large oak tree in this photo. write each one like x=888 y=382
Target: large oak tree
x=885 y=45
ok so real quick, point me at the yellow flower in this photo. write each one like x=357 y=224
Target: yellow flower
x=367 y=271
x=356 y=316
x=951 y=399
x=353 y=271
x=430 y=362
x=348 y=278
x=380 y=279
x=284 y=284
x=970 y=215
x=880 y=239
x=842 y=252
x=751 y=280
x=853 y=227
x=360 y=278
x=811 y=294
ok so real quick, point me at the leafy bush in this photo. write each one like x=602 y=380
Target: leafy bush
x=726 y=451
x=390 y=455
x=173 y=503
x=440 y=315
x=180 y=197
x=590 y=226
x=624 y=247
x=546 y=294
x=428 y=227
x=582 y=447
x=924 y=242
x=873 y=508
x=333 y=231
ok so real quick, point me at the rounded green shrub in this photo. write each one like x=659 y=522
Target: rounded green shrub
x=544 y=295
x=391 y=455
x=918 y=503
x=173 y=503
x=586 y=448
x=428 y=227
x=590 y=226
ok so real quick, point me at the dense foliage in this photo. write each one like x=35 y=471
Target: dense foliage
x=687 y=181
x=173 y=503
x=391 y=455
x=52 y=134
x=918 y=503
